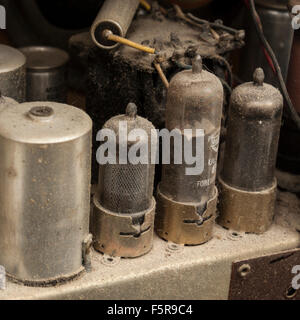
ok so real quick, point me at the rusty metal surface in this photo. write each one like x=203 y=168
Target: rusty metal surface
x=117 y=235
x=246 y=211
x=265 y=278
x=190 y=272
x=179 y=222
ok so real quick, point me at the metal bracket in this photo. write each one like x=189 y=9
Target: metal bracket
x=265 y=278
x=86 y=253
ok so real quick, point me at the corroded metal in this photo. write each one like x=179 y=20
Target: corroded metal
x=180 y=223
x=168 y=274
x=268 y=277
x=246 y=211
x=119 y=235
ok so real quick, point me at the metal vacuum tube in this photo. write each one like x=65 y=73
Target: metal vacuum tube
x=12 y=73
x=124 y=206
x=115 y=16
x=247 y=180
x=45 y=156
x=187 y=203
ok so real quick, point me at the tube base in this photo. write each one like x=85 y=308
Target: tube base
x=123 y=235
x=244 y=211
x=180 y=223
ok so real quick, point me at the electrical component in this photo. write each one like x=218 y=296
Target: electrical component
x=12 y=73
x=46 y=74
x=247 y=181
x=186 y=202
x=124 y=206
x=114 y=16
x=45 y=163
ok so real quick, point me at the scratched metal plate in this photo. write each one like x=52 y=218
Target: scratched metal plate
x=265 y=278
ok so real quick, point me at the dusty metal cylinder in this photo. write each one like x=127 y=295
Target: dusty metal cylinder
x=46 y=73
x=124 y=206
x=187 y=202
x=276 y=22
x=44 y=192
x=12 y=73
x=116 y=16
x=247 y=181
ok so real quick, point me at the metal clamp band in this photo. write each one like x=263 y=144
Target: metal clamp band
x=245 y=211
x=118 y=235
x=179 y=222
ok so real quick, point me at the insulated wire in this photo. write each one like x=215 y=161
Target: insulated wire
x=293 y=113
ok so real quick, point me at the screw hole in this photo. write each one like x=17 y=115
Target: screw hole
x=244 y=270
x=109 y=260
x=291 y=293
x=234 y=235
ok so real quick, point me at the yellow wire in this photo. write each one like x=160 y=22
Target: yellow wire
x=161 y=74
x=113 y=37
x=145 y=4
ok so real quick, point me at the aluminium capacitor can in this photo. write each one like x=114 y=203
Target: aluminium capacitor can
x=46 y=73
x=45 y=163
x=186 y=208
x=124 y=206
x=247 y=180
x=12 y=73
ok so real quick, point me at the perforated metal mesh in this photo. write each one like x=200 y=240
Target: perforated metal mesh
x=126 y=188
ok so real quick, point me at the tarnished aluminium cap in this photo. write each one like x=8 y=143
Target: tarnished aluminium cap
x=257 y=100
x=41 y=58
x=10 y=59
x=43 y=123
